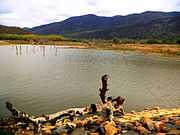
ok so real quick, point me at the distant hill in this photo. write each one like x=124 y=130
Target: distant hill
x=150 y=25
x=12 y=30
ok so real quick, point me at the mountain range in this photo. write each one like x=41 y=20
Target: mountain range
x=146 y=25
x=13 y=30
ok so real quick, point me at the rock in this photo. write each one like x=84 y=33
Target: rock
x=47 y=129
x=133 y=112
x=78 y=113
x=63 y=134
x=110 y=128
x=142 y=130
x=95 y=117
x=174 y=118
x=159 y=126
x=127 y=126
x=160 y=133
x=170 y=126
x=59 y=130
x=100 y=130
x=94 y=134
x=173 y=132
x=24 y=132
x=59 y=123
x=79 y=131
x=165 y=119
x=118 y=113
x=93 y=108
x=178 y=123
x=166 y=130
x=129 y=132
x=157 y=118
x=71 y=125
x=149 y=123
x=47 y=132
x=81 y=123
x=99 y=120
x=124 y=131
x=137 y=124
x=156 y=108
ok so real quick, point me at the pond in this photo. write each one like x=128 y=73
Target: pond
x=47 y=79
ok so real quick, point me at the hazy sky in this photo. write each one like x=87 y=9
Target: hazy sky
x=29 y=13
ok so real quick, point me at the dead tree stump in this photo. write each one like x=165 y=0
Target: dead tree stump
x=104 y=88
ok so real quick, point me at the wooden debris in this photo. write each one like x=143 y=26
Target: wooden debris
x=104 y=88
x=106 y=118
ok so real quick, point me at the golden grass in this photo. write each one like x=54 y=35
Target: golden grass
x=165 y=49
x=147 y=48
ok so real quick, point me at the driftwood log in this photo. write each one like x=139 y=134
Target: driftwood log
x=102 y=118
x=51 y=118
x=104 y=88
x=105 y=109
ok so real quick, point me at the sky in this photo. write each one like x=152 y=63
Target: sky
x=30 y=13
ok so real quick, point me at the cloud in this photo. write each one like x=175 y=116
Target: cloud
x=4 y=7
x=178 y=3
x=92 y=2
x=29 y=13
x=5 y=11
x=103 y=12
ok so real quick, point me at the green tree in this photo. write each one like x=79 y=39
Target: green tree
x=178 y=41
x=116 y=40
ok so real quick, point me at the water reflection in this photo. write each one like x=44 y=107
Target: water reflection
x=17 y=52
x=26 y=50
x=44 y=51
x=35 y=50
x=56 y=51
x=39 y=77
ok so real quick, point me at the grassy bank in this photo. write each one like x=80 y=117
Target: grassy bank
x=146 y=46
x=32 y=37
x=165 y=49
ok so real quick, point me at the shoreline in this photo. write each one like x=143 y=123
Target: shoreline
x=160 y=49
x=149 y=121
x=106 y=117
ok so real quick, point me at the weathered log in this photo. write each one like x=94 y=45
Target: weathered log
x=22 y=116
x=119 y=100
x=104 y=88
x=19 y=116
x=106 y=110
x=102 y=118
x=13 y=110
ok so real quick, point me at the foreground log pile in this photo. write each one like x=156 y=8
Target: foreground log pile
x=105 y=118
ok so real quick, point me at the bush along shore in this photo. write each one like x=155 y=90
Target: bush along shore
x=161 y=49
x=104 y=118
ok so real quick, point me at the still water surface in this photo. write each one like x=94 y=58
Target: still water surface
x=46 y=79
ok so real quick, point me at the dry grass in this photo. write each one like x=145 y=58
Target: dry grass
x=165 y=49
x=146 y=48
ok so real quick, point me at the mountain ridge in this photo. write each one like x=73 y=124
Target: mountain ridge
x=13 y=30
x=145 y=25
x=101 y=27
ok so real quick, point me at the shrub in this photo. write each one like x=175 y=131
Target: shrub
x=153 y=41
x=116 y=40
x=31 y=37
x=178 y=41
